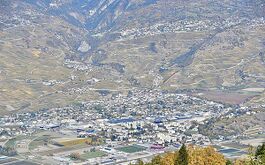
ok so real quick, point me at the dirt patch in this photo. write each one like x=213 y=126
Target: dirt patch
x=233 y=98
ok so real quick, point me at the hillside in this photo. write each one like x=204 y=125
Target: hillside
x=59 y=52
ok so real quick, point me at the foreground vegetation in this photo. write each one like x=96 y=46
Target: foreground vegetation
x=192 y=155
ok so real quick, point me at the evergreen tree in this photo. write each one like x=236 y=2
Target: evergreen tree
x=182 y=158
x=260 y=150
x=260 y=154
x=229 y=162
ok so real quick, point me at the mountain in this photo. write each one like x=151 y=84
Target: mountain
x=58 y=52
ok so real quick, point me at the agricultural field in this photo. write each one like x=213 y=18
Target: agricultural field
x=40 y=141
x=131 y=149
x=90 y=155
x=68 y=142
x=62 y=149
x=12 y=142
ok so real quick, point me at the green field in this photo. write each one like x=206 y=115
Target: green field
x=33 y=145
x=131 y=149
x=11 y=143
x=90 y=155
x=40 y=141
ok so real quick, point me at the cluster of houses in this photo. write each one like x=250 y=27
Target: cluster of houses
x=155 y=119
x=143 y=116
x=188 y=26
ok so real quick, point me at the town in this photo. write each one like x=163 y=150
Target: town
x=115 y=130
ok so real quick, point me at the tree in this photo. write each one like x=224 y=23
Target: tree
x=168 y=159
x=260 y=154
x=212 y=157
x=182 y=158
x=260 y=150
x=196 y=156
x=140 y=162
x=255 y=157
x=240 y=162
x=228 y=162
x=251 y=157
x=93 y=149
x=75 y=156
x=205 y=156
x=156 y=160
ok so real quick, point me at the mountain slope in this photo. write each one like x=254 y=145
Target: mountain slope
x=58 y=52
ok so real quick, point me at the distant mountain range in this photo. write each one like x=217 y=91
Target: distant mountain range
x=58 y=52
